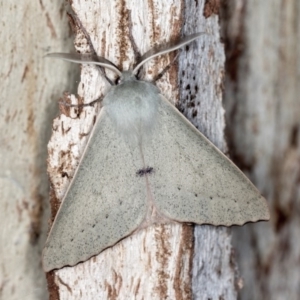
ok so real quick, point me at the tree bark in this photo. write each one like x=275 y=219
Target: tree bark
x=29 y=84
x=263 y=121
x=156 y=263
x=262 y=130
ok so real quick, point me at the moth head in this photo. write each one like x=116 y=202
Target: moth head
x=126 y=76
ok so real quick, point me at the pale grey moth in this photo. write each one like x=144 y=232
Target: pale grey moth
x=144 y=163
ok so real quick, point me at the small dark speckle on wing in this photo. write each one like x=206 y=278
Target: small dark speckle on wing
x=144 y=171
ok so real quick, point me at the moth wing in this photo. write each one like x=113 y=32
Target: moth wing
x=104 y=202
x=195 y=182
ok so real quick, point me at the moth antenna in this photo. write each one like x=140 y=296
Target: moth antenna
x=87 y=59
x=165 y=49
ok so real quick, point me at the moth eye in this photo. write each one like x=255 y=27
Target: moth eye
x=118 y=81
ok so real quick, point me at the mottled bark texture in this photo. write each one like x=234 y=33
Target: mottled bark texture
x=156 y=263
x=262 y=116
x=30 y=86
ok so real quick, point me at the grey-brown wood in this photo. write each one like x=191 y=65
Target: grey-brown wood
x=30 y=87
x=263 y=120
x=162 y=256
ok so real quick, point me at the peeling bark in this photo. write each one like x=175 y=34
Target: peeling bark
x=164 y=257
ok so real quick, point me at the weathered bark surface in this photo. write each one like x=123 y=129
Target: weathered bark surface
x=262 y=111
x=29 y=87
x=214 y=271
x=263 y=120
x=157 y=262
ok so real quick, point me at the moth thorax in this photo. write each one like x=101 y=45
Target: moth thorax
x=132 y=107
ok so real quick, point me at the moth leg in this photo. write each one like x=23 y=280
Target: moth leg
x=92 y=49
x=166 y=68
x=65 y=103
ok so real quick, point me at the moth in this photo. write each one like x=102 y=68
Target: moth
x=144 y=163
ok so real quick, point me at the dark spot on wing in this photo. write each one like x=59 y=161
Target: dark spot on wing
x=144 y=171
